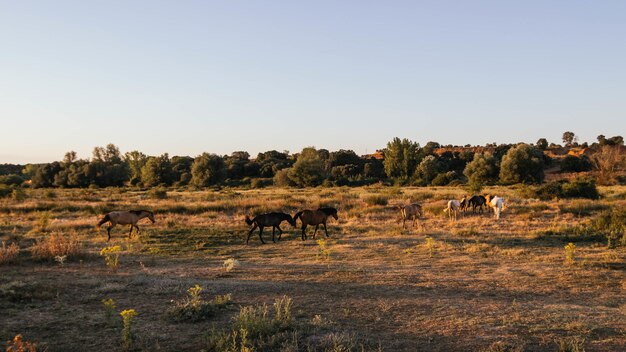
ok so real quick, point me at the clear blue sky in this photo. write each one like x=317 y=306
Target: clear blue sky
x=185 y=77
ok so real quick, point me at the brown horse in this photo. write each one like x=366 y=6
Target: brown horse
x=315 y=217
x=410 y=211
x=477 y=201
x=269 y=219
x=125 y=218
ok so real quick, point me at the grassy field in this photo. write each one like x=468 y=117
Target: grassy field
x=474 y=284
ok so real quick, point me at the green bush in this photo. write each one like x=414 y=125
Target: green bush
x=581 y=188
x=5 y=191
x=260 y=182
x=376 y=199
x=158 y=193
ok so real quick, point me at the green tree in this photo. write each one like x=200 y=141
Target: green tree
x=542 y=144
x=157 y=170
x=482 y=170
x=308 y=170
x=569 y=138
x=135 y=161
x=207 y=170
x=427 y=169
x=401 y=158
x=522 y=164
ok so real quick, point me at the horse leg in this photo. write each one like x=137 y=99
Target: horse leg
x=109 y=232
x=137 y=227
x=280 y=232
x=273 y=230
x=250 y=233
x=325 y=229
x=131 y=231
x=303 y=231
x=261 y=234
x=314 y=232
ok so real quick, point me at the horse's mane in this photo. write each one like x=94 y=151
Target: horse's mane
x=138 y=212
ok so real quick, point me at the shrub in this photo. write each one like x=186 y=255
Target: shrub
x=5 y=191
x=281 y=178
x=18 y=194
x=231 y=264
x=570 y=251
x=127 y=320
x=20 y=345
x=8 y=254
x=260 y=182
x=522 y=164
x=158 y=193
x=376 y=199
x=111 y=256
x=11 y=180
x=194 y=308
x=56 y=244
x=612 y=225
x=581 y=188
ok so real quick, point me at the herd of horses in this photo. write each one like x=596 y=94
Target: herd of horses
x=412 y=211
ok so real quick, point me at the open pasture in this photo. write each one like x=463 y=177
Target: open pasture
x=471 y=284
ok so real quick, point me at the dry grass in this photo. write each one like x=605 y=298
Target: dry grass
x=477 y=284
x=56 y=245
x=8 y=254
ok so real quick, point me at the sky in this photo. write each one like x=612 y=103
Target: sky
x=187 y=77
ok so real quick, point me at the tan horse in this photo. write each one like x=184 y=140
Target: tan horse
x=315 y=217
x=125 y=218
x=410 y=211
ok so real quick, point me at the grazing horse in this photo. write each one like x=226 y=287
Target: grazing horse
x=498 y=204
x=315 y=217
x=269 y=219
x=410 y=211
x=453 y=207
x=477 y=202
x=125 y=218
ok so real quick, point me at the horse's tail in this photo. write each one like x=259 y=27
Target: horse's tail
x=298 y=215
x=103 y=220
x=248 y=221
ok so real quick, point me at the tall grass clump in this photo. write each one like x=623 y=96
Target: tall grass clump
x=570 y=252
x=8 y=254
x=193 y=308
x=56 y=245
x=158 y=193
x=376 y=199
x=111 y=257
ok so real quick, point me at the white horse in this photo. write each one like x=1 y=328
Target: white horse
x=410 y=211
x=125 y=218
x=453 y=207
x=498 y=204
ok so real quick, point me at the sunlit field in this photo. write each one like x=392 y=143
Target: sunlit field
x=477 y=284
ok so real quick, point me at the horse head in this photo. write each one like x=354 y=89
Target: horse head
x=151 y=216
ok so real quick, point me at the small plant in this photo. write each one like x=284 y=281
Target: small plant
x=43 y=221
x=571 y=345
x=323 y=252
x=109 y=309
x=56 y=245
x=8 y=254
x=430 y=244
x=18 y=194
x=570 y=251
x=60 y=259
x=194 y=308
x=111 y=256
x=127 y=321
x=231 y=264
x=49 y=194
x=20 y=345
x=282 y=307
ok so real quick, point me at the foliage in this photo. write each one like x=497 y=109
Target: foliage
x=308 y=170
x=522 y=164
x=207 y=170
x=612 y=225
x=111 y=256
x=11 y=180
x=576 y=188
x=609 y=161
x=231 y=264
x=401 y=158
x=157 y=171
x=109 y=309
x=127 y=321
x=427 y=169
x=194 y=308
x=573 y=163
x=482 y=170
x=282 y=179
x=542 y=143
x=569 y=138
x=376 y=199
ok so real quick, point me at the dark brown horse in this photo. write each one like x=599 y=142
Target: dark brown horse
x=269 y=219
x=125 y=218
x=315 y=217
x=477 y=202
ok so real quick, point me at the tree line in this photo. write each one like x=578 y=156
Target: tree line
x=403 y=162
